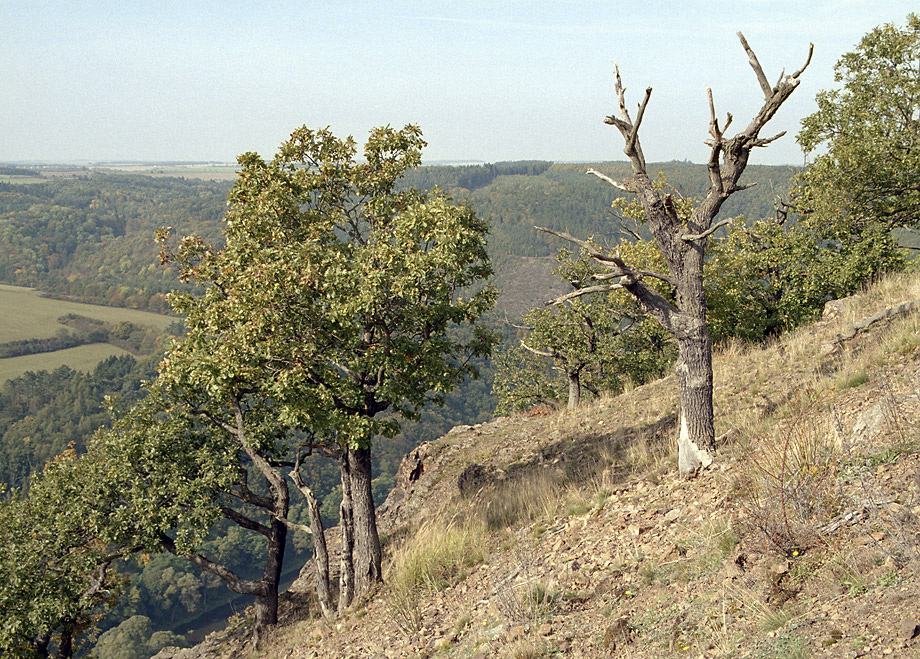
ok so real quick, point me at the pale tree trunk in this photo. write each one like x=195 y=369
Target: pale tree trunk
x=320 y=548
x=347 y=528
x=683 y=242
x=320 y=559
x=574 y=389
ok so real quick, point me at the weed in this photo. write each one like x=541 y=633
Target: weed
x=773 y=619
x=854 y=381
x=529 y=599
x=889 y=579
x=794 y=482
x=522 y=500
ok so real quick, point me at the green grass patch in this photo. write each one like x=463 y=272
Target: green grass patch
x=27 y=315
x=81 y=358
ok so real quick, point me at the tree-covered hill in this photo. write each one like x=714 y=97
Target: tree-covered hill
x=91 y=238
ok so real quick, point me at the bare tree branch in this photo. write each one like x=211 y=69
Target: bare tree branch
x=600 y=288
x=758 y=70
x=543 y=353
x=604 y=177
x=592 y=251
x=708 y=232
x=811 y=50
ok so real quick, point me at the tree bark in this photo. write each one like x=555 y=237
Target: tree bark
x=696 y=438
x=267 y=602
x=574 y=389
x=320 y=548
x=347 y=526
x=367 y=552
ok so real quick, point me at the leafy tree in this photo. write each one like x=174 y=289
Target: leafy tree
x=867 y=179
x=595 y=343
x=134 y=638
x=55 y=576
x=683 y=244
x=775 y=275
x=328 y=305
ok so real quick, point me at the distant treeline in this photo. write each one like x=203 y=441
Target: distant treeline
x=472 y=177
x=9 y=170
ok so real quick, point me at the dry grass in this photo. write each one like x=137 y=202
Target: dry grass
x=436 y=556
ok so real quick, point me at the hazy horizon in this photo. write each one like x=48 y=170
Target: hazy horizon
x=120 y=81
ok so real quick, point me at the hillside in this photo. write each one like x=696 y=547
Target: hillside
x=568 y=534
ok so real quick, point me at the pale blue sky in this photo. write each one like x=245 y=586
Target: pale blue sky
x=84 y=80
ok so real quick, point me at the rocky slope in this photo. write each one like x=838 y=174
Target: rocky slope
x=573 y=537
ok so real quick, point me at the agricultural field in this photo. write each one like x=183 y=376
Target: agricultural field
x=27 y=315
x=80 y=358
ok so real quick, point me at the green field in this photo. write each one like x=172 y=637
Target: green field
x=24 y=314
x=81 y=358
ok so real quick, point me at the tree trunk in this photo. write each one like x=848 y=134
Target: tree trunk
x=65 y=648
x=696 y=438
x=266 y=604
x=347 y=525
x=574 y=389
x=320 y=557
x=367 y=553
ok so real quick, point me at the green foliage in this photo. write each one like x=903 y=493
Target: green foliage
x=91 y=237
x=44 y=413
x=595 y=342
x=339 y=286
x=869 y=175
x=54 y=566
x=773 y=276
x=134 y=638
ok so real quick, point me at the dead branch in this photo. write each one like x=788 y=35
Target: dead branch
x=619 y=186
x=708 y=232
x=758 y=70
x=600 y=288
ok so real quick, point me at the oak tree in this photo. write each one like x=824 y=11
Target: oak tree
x=866 y=176
x=334 y=300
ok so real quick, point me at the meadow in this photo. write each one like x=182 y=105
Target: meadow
x=27 y=315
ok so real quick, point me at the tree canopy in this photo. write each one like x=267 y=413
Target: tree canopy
x=865 y=179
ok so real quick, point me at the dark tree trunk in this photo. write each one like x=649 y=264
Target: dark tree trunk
x=40 y=644
x=347 y=526
x=267 y=602
x=65 y=648
x=367 y=553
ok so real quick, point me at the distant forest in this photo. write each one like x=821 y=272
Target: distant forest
x=91 y=238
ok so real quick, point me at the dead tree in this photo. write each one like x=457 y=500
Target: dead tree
x=683 y=245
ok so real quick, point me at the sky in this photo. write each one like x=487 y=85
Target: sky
x=492 y=80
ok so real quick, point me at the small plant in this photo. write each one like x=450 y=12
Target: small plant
x=773 y=619
x=889 y=579
x=857 y=380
